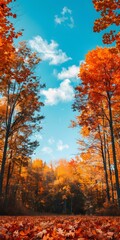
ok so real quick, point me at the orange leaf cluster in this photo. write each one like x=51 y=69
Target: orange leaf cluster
x=109 y=10
x=7 y=35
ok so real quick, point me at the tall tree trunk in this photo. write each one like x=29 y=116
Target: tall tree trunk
x=17 y=186
x=110 y=171
x=8 y=127
x=4 y=160
x=65 y=205
x=113 y=148
x=7 y=186
x=103 y=153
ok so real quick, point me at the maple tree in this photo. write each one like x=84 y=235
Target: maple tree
x=35 y=186
x=22 y=105
x=7 y=58
x=91 y=178
x=17 y=112
x=68 y=188
x=97 y=100
x=7 y=36
x=109 y=11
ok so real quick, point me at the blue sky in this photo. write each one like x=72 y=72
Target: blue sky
x=62 y=33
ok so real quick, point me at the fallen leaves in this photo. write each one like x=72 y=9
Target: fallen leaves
x=59 y=228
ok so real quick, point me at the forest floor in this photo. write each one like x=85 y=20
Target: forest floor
x=59 y=228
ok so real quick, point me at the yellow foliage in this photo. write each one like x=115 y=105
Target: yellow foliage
x=38 y=163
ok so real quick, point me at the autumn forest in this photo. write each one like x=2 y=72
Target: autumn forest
x=89 y=183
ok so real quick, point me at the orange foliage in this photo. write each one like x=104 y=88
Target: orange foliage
x=97 y=100
x=7 y=35
x=61 y=228
x=109 y=10
x=99 y=74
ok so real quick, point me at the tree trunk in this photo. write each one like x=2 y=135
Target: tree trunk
x=7 y=186
x=113 y=148
x=103 y=153
x=71 y=205
x=8 y=126
x=4 y=160
x=65 y=206
x=17 y=186
x=110 y=171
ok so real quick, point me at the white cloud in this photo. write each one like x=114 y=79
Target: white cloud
x=71 y=24
x=49 y=51
x=61 y=146
x=64 y=93
x=65 y=17
x=51 y=140
x=71 y=72
x=47 y=150
x=60 y=20
x=66 y=10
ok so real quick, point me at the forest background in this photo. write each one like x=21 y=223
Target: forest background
x=88 y=182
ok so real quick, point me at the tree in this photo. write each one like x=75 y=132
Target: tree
x=21 y=92
x=67 y=193
x=110 y=15
x=37 y=185
x=97 y=97
x=7 y=36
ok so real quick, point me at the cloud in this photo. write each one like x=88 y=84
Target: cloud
x=47 y=150
x=71 y=24
x=66 y=10
x=49 y=51
x=65 y=17
x=51 y=140
x=71 y=72
x=64 y=93
x=61 y=146
x=60 y=20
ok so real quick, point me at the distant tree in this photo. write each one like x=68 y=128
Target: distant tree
x=67 y=193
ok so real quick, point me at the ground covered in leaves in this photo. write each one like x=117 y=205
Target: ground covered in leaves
x=59 y=227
